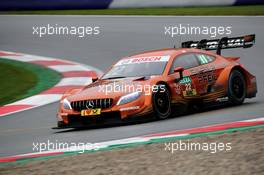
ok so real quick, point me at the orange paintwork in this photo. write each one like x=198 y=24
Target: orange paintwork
x=220 y=70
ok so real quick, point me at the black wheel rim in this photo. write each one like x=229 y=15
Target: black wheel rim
x=162 y=102
x=238 y=87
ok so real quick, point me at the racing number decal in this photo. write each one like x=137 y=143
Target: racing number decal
x=189 y=91
x=186 y=85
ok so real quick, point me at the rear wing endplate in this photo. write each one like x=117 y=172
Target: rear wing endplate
x=223 y=43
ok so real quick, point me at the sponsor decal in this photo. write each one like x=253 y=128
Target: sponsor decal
x=178 y=89
x=186 y=80
x=207 y=77
x=205 y=74
x=143 y=60
x=191 y=92
x=185 y=85
x=91 y=112
x=222 y=99
x=202 y=69
x=129 y=108
x=237 y=42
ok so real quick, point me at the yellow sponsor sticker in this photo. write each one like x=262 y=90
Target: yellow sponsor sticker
x=189 y=93
x=90 y=112
x=194 y=92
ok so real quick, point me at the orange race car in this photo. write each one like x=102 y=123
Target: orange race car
x=161 y=83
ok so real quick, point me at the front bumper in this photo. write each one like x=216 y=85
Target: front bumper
x=74 y=121
x=132 y=111
x=109 y=118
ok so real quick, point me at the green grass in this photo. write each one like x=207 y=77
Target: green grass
x=212 y=10
x=20 y=80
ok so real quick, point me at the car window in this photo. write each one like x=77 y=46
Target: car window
x=138 y=66
x=186 y=61
x=204 y=59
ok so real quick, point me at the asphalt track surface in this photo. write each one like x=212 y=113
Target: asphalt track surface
x=120 y=36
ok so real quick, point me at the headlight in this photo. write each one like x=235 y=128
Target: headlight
x=128 y=98
x=66 y=104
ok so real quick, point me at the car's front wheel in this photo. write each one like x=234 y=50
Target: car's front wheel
x=161 y=103
x=236 y=87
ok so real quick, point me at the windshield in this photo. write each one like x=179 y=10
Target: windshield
x=135 y=67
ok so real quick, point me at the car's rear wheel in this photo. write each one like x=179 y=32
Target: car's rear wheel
x=236 y=87
x=161 y=103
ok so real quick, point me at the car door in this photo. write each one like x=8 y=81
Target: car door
x=185 y=87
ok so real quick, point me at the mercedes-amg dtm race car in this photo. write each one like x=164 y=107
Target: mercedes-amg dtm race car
x=161 y=83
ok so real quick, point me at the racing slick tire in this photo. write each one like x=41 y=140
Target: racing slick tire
x=161 y=103
x=236 y=87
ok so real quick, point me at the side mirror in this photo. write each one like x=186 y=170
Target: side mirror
x=180 y=71
x=94 y=79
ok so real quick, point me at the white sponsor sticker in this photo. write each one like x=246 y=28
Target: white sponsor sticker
x=143 y=60
x=222 y=99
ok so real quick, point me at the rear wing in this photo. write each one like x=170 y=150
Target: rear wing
x=223 y=43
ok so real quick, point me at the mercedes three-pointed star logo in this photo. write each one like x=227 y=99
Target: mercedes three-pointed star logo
x=89 y=104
